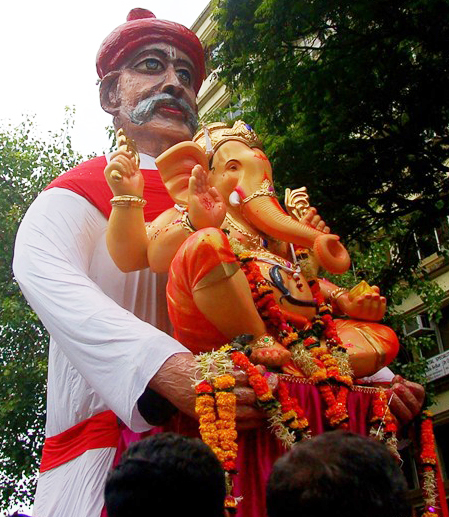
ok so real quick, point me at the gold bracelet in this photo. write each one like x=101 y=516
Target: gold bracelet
x=186 y=223
x=336 y=293
x=134 y=201
x=264 y=341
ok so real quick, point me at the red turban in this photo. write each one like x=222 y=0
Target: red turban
x=143 y=27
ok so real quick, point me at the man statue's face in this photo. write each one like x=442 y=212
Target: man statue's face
x=154 y=94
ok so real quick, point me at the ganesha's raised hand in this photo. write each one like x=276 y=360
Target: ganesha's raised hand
x=206 y=204
x=123 y=175
x=369 y=306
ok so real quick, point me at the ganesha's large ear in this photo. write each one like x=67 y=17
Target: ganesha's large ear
x=175 y=166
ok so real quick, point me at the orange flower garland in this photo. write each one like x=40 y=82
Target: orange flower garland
x=286 y=417
x=383 y=424
x=216 y=408
x=317 y=349
x=428 y=459
x=226 y=409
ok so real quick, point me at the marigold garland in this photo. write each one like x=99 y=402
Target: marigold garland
x=428 y=459
x=286 y=418
x=216 y=410
x=383 y=424
x=316 y=349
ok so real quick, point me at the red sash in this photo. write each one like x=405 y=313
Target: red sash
x=87 y=180
x=97 y=432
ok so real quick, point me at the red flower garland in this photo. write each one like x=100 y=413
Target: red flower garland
x=292 y=416
x=428 y=459
x=334 y=396
x=383 y=424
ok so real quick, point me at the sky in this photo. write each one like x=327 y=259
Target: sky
x=48 y=51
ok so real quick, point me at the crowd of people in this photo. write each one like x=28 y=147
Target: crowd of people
x=335 y=473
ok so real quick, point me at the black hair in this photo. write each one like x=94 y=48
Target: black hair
x=337 y=473
x=168 y=475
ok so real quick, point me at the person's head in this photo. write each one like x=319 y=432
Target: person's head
x=151 y=71
x=337 y=473
x=167 y=475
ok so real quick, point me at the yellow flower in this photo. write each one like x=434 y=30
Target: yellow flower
x=225 y=424
x=226 y=414
x=265 y=397
x=225 y=398
x=227 y=434
x=288 y=415
x=224 y=382
x=209 y=417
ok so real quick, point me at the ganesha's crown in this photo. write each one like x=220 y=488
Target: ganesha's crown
x=213 y=135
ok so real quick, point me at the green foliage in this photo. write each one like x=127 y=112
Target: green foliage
x=28 y=163
x=352 y=99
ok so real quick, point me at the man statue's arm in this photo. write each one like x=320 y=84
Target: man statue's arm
x=115 y=352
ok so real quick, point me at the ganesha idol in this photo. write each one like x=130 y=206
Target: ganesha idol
x=211 y=299
x=240 y=265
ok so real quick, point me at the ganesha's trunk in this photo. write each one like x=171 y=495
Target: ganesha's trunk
x=267 y=215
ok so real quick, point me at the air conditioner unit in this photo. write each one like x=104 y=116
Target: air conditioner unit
x=418 y=325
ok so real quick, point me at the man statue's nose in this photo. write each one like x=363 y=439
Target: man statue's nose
x=172 y=84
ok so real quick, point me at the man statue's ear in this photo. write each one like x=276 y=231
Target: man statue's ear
x=109 y=92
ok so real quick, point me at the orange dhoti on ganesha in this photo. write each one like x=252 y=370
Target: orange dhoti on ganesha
x=206 y=258
x=239 y=265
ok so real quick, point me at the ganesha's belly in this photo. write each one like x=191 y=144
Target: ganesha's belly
x=293 y=295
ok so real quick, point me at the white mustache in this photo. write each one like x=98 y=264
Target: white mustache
x=144 y=110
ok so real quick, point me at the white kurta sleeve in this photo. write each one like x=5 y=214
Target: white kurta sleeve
x=115 y=352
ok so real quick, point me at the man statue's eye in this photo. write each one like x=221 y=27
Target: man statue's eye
x=184 y=76
x=151 y=64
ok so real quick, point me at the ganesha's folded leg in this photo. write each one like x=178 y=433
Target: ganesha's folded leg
x=206 y=271
x=371 y=346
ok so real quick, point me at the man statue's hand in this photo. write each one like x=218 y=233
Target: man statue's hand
x=406 y=399
x=123 y=175
x=206 y=204
x=174 y=382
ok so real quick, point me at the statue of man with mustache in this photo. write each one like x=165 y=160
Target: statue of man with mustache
x=110 y=357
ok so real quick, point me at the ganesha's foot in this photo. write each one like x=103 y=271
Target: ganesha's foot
x=370 y=345
x=265 y=350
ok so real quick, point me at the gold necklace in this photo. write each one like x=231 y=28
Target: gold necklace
x=253 y=240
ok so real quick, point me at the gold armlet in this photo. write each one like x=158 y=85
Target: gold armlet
x=186 y=223
x=336 y=293
x=134 y=201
